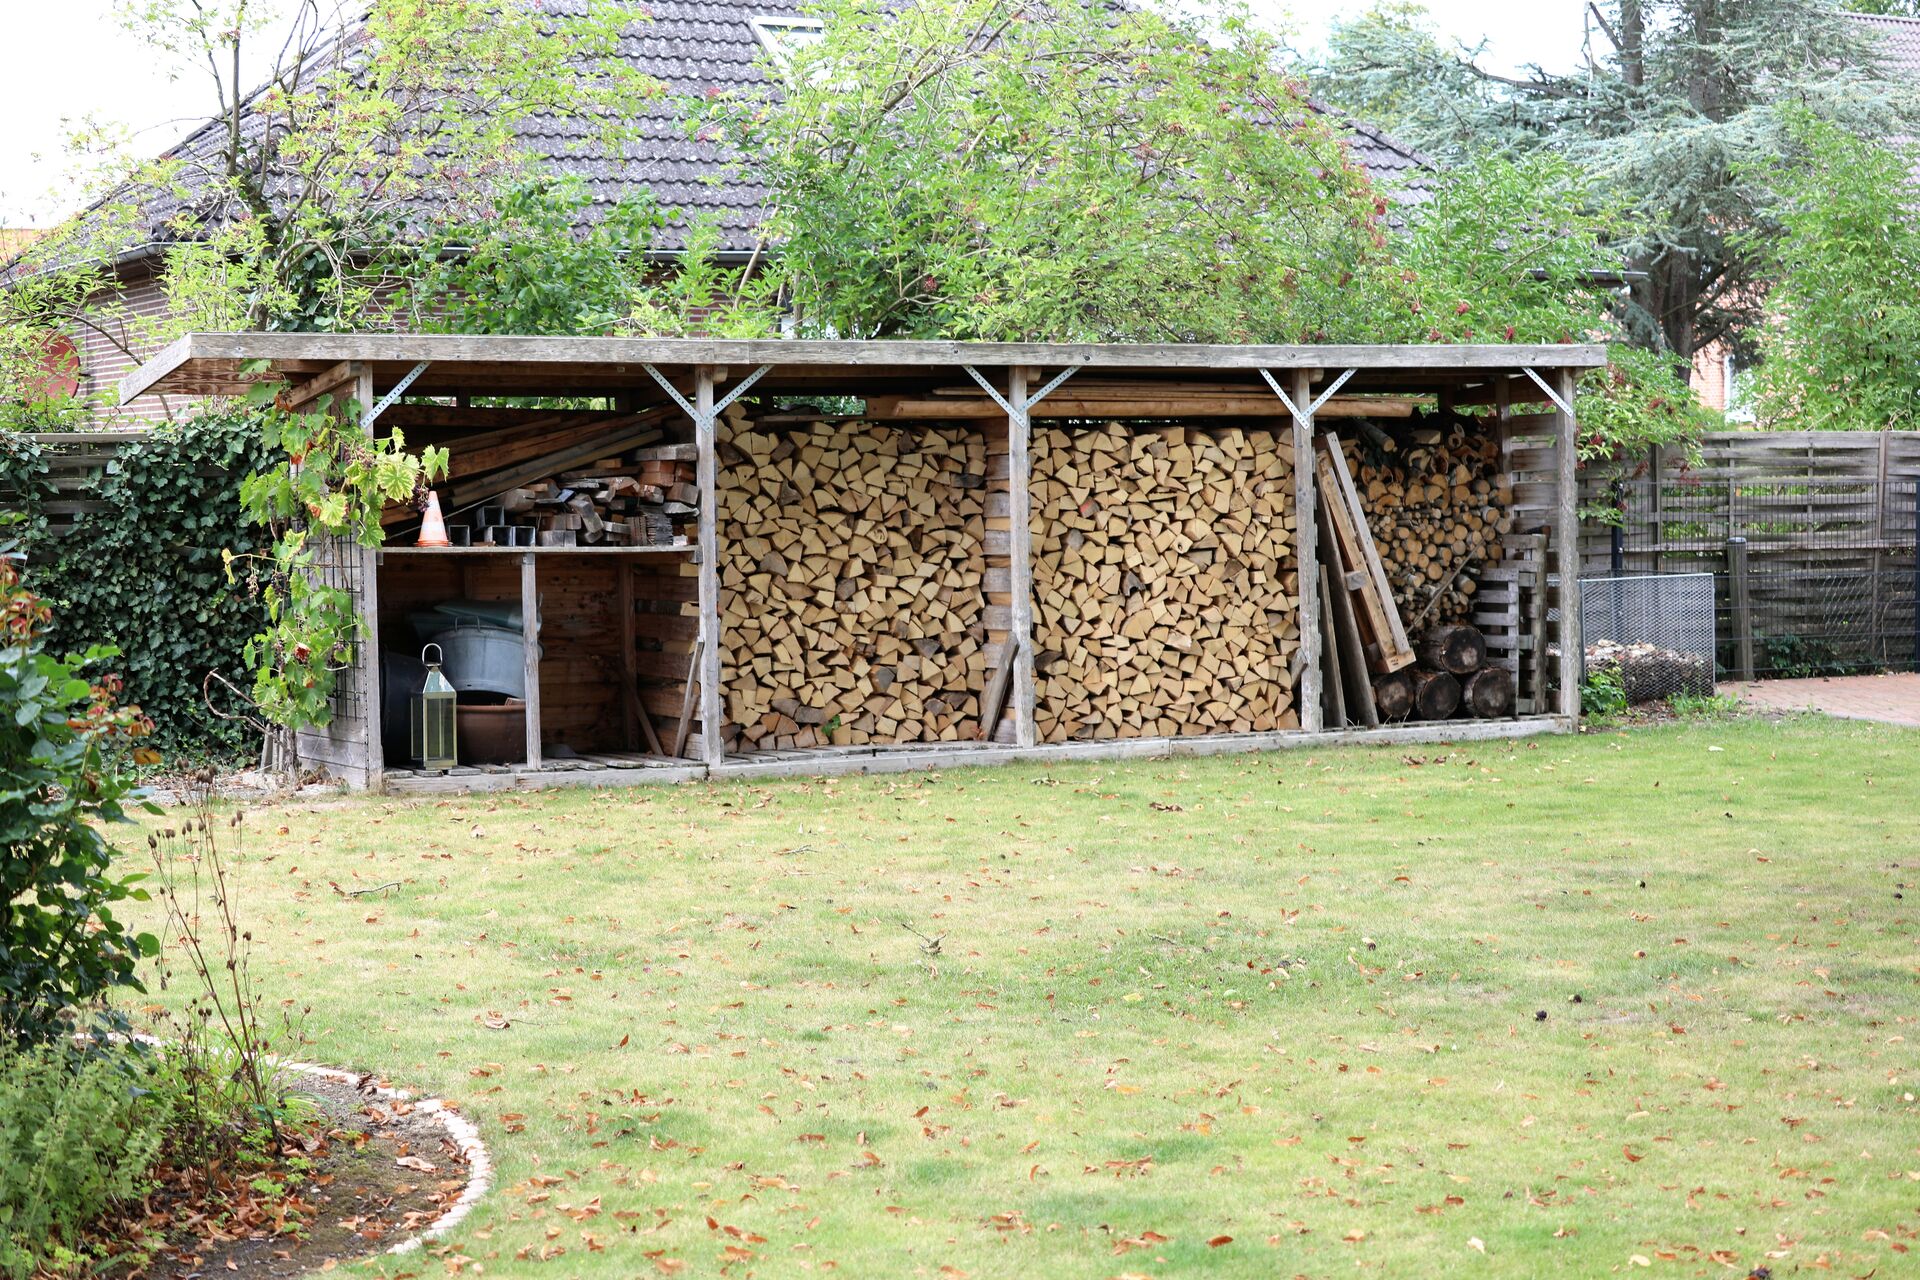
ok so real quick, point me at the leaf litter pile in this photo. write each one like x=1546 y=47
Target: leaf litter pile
x=1593 y=1005
x=363 y=1173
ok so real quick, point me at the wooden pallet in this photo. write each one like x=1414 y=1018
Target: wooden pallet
x=1510 y=609
x=1354 y=564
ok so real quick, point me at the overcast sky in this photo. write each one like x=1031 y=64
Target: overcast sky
x=71 y=60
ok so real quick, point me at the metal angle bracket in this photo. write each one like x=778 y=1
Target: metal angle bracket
x=399 y=389
x=1552 y=395
x=720 y=405
x=1032 y=400
x=1313 y=406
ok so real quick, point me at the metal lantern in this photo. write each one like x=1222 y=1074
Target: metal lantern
x=434 y=719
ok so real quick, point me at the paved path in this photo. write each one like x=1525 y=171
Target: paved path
x=1890 y=699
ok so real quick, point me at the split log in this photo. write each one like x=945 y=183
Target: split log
x=1393 y=695
x=1454 y=648
x=851 y=582
x=1164 y=580
x=1437 y=500
x=1436 y=695
x=1488 y=693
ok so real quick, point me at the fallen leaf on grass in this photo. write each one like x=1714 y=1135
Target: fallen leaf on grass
x=1475 y=1242
x=416 y=1164
x=1217 y=1241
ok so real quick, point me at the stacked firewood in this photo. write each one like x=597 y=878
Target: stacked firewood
x=1164 y=581
x=1437 y=502
x=1452 y=678
x=850 y=575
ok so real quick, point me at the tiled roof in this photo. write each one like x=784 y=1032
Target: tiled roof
x=695 y=47
x=1900 y=42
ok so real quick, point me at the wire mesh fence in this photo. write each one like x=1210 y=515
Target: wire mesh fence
x=1656 y=632
x=1811 y=575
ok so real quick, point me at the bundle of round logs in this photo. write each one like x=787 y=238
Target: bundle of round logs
x=1452 y=678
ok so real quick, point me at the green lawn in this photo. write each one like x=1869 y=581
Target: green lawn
x=1292 y=999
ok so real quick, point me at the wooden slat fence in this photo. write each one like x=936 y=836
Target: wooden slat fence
x=1828 y=520
x=76 y=460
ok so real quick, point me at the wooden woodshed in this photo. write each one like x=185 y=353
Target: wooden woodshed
x=753 y=558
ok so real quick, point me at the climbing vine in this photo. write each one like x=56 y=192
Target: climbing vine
x=140 y=569
x=328 y=489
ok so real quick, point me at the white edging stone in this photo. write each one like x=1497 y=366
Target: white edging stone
x=463 y=1132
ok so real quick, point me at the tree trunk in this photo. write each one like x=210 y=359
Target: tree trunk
x=1454 y=648
x=1436 y=695
x=1488 y=694
x=1393 y=695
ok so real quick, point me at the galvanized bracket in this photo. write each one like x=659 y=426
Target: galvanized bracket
x=1032 y=400
x=719 y=406
x=1552 y=395
x=399 y=389
x=1300 y=416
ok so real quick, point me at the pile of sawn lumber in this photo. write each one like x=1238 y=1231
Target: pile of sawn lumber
x=1165 y=597
x=850 y=576
x=566 y=477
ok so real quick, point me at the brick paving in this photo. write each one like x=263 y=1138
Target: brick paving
x=1890 y=699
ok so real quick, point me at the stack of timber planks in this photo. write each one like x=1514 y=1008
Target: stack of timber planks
x=851 y=563
x=1438 y=503
x=1165 y=596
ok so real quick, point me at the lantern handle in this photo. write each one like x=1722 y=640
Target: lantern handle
x=431 y=645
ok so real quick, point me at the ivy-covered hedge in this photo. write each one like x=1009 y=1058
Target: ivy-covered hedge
x=145 y=573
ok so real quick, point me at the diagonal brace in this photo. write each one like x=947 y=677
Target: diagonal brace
x=399 y=389
x=1301 y=415
x=1027 y=406
x=1552 y=395
x=720 y=405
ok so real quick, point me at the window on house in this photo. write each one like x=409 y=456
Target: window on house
x=784 y=37
x=1737 y=380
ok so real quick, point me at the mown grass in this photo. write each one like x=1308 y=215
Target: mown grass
x=1292 y=999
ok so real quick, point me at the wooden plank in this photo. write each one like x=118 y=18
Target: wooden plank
x=211 y=362
x=1020 y=555
x=711 y=747
x=1333 y=695
x=530 y=642
x=687 y=699
x=1567 y=533
x=367 y=656
x=1353 y=659
x=1306 y=557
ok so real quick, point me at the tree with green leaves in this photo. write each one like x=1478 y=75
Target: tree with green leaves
x=1841 y=347
x=992 y=170
x=984 y=169
x=303 y=203
x=1674 y=108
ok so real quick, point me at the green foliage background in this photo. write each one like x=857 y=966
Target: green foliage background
x=144 y=573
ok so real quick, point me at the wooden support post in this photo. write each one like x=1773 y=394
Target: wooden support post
x=712 y=749
x=630 y=709
x=530 y=641
x=1020 y=554
x=367 y=655
x=1306 y=552
x=1567 y=536
x=1333 y=694
x=1740 y=608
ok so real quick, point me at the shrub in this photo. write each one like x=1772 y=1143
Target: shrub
x=144 y=571
x=77 y=1134
x=62 y=774
x=1603 y=694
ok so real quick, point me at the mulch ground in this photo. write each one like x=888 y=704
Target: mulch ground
x=378 y=1172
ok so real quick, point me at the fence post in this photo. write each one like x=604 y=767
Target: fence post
x=1739 y=608
x=1916 y=573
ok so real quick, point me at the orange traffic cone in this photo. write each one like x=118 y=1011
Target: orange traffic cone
x=433 y=527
